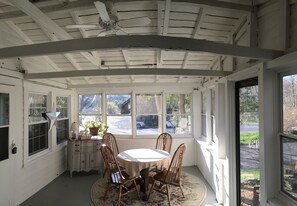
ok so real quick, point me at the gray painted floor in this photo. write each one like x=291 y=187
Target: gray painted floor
x=75 y=191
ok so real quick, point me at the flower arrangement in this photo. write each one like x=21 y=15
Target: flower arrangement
x=96 y=127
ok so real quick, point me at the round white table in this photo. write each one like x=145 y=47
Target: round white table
x=138 y=161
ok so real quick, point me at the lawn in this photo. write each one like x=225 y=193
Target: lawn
x=249 y=174
x=248 y=137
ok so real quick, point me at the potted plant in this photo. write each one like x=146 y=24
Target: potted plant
x=96 y=127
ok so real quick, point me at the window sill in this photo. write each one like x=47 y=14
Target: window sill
x=281 y=200
x=203 y=143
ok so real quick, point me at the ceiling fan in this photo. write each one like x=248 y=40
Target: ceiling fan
x=109 y=21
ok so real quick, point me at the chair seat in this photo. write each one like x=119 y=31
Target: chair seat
x=161 y=177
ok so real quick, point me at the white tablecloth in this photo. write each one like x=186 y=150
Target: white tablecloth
x=135 y=160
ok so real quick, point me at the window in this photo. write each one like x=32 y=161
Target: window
x=118 y=113
x=63 y=119
x=178 y=118
x=38 y=126
x=148 y=114
x=4 y=126
x=213 y=124
x=90 y=109
x=203 y=113
x=289 y=136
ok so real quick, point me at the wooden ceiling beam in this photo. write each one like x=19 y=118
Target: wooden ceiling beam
x=125 y=72
x=139 y=42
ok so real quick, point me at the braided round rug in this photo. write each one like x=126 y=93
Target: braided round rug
x=194 y=189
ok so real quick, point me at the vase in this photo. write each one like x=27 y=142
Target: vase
x=94 y=131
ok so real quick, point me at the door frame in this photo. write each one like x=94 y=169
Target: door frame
x=240 y=84
x=11 y=162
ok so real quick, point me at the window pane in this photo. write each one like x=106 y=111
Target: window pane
x=38 y=138
x=178 y=124
x=62 y=106
x=119 y=125
x=290 y=104
x=118 y=104
x=212 y=101
x=83 y=119
x=90 y=104
x=62 y=130
x=148 y=124
x=289 y=166
x=148 y=104
x=178 y=114
x=148 y=110
x=203 y=97
x=37 y=106
x=4 y=109
x=4 y=145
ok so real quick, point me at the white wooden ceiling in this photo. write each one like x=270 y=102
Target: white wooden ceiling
x=45 y=21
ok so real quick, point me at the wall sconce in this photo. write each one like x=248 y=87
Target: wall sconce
x=52 y=117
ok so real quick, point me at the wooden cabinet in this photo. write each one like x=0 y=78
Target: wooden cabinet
x=84 y=155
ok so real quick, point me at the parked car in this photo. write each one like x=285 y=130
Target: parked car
x=139 y=124
x=170 y=124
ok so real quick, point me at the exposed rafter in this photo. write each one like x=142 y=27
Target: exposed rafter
x=125 y=72
x=74 y=5
x=138 y=41
x=49 y=24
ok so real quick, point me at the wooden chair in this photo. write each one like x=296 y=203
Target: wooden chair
x=171 y=176
x=110 y=140
x=164 y=142
x=117 y=177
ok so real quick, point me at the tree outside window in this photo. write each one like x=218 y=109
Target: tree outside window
x=178 y=118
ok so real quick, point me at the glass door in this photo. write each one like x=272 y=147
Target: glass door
x=247 y=142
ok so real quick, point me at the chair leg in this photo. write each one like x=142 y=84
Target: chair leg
x=181 y=189
x=168 y=194
x=152 y=187
x=136 y=189
x=120 y=194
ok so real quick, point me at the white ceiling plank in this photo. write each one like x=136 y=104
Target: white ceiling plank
x=121 y=72
x=85 y=4
x=48 y=23
x=29 y=41
x=199 y=21
x=69 y=57
x=139 y=42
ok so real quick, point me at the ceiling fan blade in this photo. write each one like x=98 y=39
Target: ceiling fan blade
x=82 y=26
x=140 y=21
x=102 y=11
x=101 y=34
x=121 y=32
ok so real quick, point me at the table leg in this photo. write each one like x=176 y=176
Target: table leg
x=144 y=173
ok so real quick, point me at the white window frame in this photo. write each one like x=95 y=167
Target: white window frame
x=190 y=134
x=65 y=118
x=104 y=102
x=29 y=158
